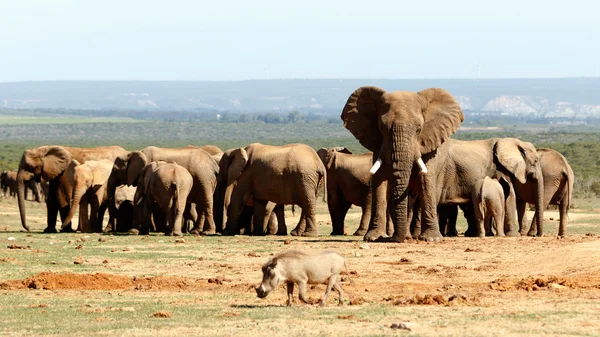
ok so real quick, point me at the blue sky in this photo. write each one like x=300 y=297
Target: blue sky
x=237 y=40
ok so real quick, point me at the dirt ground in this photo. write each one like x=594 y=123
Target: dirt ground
x=460 y=286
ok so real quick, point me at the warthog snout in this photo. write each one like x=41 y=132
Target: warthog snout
x=260 y=292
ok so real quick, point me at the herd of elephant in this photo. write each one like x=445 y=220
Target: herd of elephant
x=409 y=186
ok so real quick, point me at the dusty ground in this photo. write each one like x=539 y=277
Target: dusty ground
x=142 y=285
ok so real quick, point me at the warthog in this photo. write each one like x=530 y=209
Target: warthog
x=302 y=268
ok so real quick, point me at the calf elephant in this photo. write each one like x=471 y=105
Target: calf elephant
x=167 y=185
x=124 y=196
x=558 y=188
x=89 y=189
x=50 y=163
x=348 y=183
x=199 y=163
x=488 y=197
x=288 y=174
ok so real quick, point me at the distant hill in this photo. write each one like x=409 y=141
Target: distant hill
x=568 y=97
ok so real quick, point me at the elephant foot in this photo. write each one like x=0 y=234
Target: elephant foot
x=337 y=233
x=471 y=233
x=295 y=232
x=431 y=235
x=373 y=235
x=313 y=233
x=209 y=232
x=513 y=233
x=532 y=233
x=360 y=232
x=67 y=229
x=133 y=231
x=50 y=230
x=452 y=234
x=176 y=234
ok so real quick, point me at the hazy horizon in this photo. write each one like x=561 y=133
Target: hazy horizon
x=185 y=40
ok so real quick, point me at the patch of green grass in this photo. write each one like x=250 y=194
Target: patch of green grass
x=31 y=120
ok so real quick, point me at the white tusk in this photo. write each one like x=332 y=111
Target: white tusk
x=376 y=166
x=422 y=165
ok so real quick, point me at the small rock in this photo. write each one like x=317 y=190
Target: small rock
x=162 y=314
x=180 y=240
x=128 y=309
x=52 y=262
x=101 y=239
x=82 y=239
x=70 y=242
x=253 y=254
x=11 y=239
x=401 y=326
x=556 y=286
x=364 y=246
x=200 y=259
x=126 y=249
x=79 y=247
x=78 y=260
x=287 y=242
x=105 y=262
x=357 y=254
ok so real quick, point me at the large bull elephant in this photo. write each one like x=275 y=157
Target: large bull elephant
x=89 y=189
x=558 y=188
x=285 y=175
x=50 y=163
x=201 y=165
x=348 y=183
x=399 y=128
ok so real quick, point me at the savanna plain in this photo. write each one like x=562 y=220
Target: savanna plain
x=102 y=284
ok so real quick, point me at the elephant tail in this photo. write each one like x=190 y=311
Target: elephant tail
x=570 y=181
x=323 y=181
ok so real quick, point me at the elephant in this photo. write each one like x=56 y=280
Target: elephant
x=50 y=163
x=199 y=163
x=167 y=185
x=399 y=128
x=488 y=198
x=558 y=189
x=89 y=189
x=288 y=174
x=263 y=218
x=124 y=206
x=8 y=184
x=348 y=183
x=447 y=216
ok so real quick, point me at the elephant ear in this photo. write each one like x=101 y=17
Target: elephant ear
x=442 y=116
x=135 y=164
x=361 y=116
x=341 y=149
x=508 y=153
x=55 y=162
x=322 y=153
x=237 y=162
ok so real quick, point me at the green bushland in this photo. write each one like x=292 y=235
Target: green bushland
x=581 y=148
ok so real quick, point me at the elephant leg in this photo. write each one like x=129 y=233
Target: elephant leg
x=510 y=214
x=309 y=212
x=563 y=208
x=260 y=217
x=364 y=222
x=209 y=223
x=65 y=227
x=281 y=225
x=379 y=186
x=414 y=214
x=472 y=220
x=338 y=208
x=498 y=218
x=522 y=216
x=300 y=227
x=487 y=223
x=452 y=218
x=429 y=203
x=52 y=207
x=84 y=215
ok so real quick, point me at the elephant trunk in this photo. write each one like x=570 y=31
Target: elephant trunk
x=79 y=193
x=21 y=197
x=402 y=160
x=540 y=205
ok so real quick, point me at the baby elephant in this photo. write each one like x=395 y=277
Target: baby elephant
x=302 y=268
x=489 y=196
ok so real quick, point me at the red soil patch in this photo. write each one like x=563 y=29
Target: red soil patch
x=433 y=300
x=544 y=282
x=99 y=281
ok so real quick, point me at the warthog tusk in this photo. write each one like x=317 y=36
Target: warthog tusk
x=422 y=165
x=376 y=166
